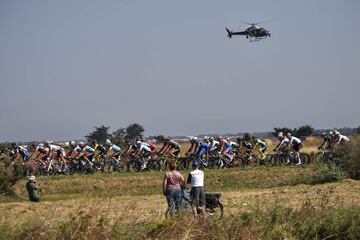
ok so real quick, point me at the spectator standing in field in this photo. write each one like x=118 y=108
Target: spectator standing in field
x=196 y=179
x=33 y=190
x=172 y=189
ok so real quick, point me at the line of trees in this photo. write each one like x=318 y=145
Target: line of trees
x=131 y=132
x=302 y=132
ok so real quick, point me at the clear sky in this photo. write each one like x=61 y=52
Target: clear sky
x=68 y=66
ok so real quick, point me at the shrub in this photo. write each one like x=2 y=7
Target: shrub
x=328 y=173
x=347 y=157
x=9 y=175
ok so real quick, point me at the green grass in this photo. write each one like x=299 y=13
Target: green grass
x=149 y=183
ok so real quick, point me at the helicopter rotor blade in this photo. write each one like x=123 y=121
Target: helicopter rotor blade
x=275 y=19
x=247 y=23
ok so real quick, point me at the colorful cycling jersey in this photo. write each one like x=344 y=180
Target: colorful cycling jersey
x=114 y=148
x=41 y=149
x=284 y=141
x=294 y=140
x=260 y=143
x=327 y=138
x=77 y=149
x=88 y=149
x=343 y=139
x=144 y=147
x=22 y=151
x=100 y=147
x=204 y=147
x=174 y=144
x=55 y=148
x=247 y=145
x=214 y=145
x=223 y=143
x=152 y=146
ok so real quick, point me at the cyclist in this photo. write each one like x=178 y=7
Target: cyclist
x=245 y=147
x=339 y=139
x=204 y=147
x=153 y=148
x=60 y=154
x=225 y=148
x=295 y=145
x=41 y=152
x=20 y=150
x=214 y=145
x=194 y=141
x=327 y=140
x=143 y=151
x=284 y=142
x=262 y=147
x=130 y=149
x=100 y=148
x=114 y=151
x=74 y=150
x=87 y=153
x=171 y=148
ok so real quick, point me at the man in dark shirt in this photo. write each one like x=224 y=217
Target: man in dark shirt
x=33 y=190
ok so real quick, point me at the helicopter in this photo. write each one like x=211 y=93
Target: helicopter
x=254 y=32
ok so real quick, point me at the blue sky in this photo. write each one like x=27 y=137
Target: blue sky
x=68 y=66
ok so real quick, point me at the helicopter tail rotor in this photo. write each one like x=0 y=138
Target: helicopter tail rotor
x=229 y=33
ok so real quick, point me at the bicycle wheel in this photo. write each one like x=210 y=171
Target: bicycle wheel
x=267 y=160
x=164 y=164
x=253 y=161
x=305 y=158
x=153 y=165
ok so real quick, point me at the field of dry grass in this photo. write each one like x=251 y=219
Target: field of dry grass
x=135 y=198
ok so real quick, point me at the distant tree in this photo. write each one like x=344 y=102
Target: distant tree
x=157 y=138
x=247 y=137
x=118 y=136
x=284 y=130
x=100 y=134
x=134 y=131
x=304 y=131
x=358 y=130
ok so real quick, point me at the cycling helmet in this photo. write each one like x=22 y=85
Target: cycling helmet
x=206 y=138
x=138 y=142
x=72 y=143
x=108 y=141
x=40 y=145
x=195 y=164
x=280 y=135
x=336 y=132
x=323 y=134
x=81 y=144
x=331 y=133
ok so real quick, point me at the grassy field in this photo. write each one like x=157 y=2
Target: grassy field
x=131 y=206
